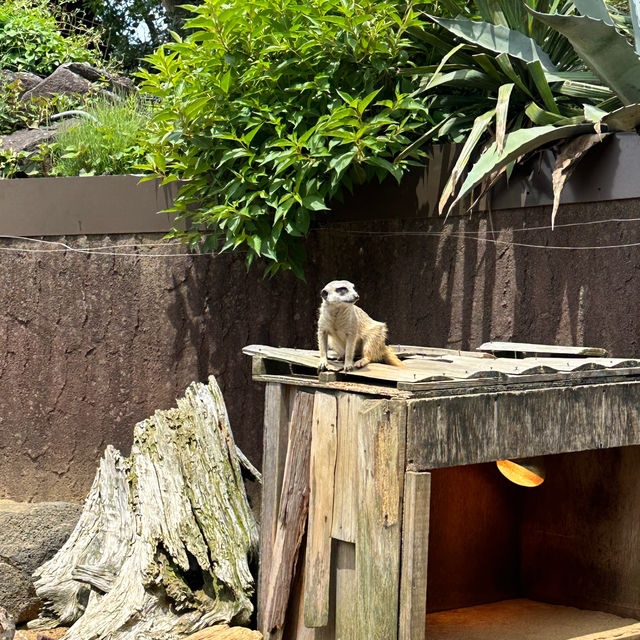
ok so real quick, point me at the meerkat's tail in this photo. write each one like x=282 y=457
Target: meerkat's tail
x=392 y=359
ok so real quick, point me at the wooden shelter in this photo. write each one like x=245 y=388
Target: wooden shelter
x=366 y=474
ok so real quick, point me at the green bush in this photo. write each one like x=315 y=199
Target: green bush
x=22 y=114
x=33 y=39
x=105 y=141
x=271 y=108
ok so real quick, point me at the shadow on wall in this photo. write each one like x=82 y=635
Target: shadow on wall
x=460 y=283
x=90 y=345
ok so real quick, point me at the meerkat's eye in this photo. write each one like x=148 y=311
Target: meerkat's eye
x=341 y=290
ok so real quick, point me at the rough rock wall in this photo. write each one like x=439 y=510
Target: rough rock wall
x=89 y=345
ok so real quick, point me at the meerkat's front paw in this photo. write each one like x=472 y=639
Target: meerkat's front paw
x=348 y=367
x=323 y=366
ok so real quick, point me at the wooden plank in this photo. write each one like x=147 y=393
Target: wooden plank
x=410 y=350
x=294 y=628
x=549 y=349
x=572 y=378
x=381 y=445
x=292 y=516
x=345 y=504
x=347 y=617
x=415 y=547
x=468 y=429
x=274 y=452
x=323 y=464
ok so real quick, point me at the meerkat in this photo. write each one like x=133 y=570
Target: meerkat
x=348 y=330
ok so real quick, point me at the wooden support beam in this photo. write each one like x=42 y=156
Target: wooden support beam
x=323 y=464
x=381 y=446
x=345 y=505
x=292 y=517
x=276 y=425
x=415 y=547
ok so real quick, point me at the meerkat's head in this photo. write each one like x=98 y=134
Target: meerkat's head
x=340 y=291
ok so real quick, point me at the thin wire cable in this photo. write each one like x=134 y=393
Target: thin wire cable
x=538 y=228
x=490 y=240
x=108 y=250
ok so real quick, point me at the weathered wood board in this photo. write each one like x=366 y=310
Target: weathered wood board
x=550 y=349
x=346 y=504
x=468 y=429
x=415 y=547
x=381 y=438
x=292 y=516
x=275 y=438
x=318 y=555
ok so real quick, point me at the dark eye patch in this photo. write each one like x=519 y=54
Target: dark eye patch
x=341 y=290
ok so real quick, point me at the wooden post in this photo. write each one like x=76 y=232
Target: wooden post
x=381 y=446
x=276 y=424
x=345 y=505
x=415 y=547
x=292 y=517
x=323 y=463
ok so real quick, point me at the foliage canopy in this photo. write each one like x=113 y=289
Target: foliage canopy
x=33 y=39
x=270 y=108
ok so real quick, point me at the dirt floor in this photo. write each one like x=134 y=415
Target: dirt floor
x=41 y=634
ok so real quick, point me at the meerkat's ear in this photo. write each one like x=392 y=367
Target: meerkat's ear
x=325 y=293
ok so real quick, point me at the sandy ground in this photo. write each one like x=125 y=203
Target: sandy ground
x=36 y=634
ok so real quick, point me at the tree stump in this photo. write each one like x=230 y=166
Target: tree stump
x=162 y=548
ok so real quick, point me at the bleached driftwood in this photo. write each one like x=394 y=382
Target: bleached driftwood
x=163 y=545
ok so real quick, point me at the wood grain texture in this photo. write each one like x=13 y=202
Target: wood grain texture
x=295 y=628
x=415 y=546
x=347 y=618
x=468 y=429
x=345 y=505
x=276 y=425
x=323 y=464
x=175 y=509
x=547 y=349
x=292 y=516
x=381 y=440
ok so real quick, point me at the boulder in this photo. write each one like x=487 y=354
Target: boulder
x=30 y=534
x=26 y=79
x=119 y=84
x=61 y=81
x=7 y=625
x=28 y=139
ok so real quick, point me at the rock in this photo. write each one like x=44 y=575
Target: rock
x=30 y=534
x=7 y=626
x=225 y=632
x=114 y=83
x=28 y=139
x=26 y=79
x=61 y=81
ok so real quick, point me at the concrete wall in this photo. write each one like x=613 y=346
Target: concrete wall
x=90 y=344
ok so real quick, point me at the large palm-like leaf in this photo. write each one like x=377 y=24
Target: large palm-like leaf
x=536 y=82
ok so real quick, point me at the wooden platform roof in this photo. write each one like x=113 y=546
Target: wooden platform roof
x=434 y=369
